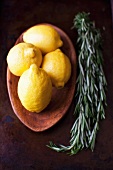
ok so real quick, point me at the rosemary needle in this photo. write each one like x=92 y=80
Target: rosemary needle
x=90 y=97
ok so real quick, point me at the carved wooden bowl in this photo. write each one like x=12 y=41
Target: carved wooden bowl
x=61 y=98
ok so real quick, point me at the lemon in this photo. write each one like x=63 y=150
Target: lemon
x=21 y=56
x=45 y=37
x=58 y=67
x=35 y=89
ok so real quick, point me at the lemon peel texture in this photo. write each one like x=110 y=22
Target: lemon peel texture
x=35 y=89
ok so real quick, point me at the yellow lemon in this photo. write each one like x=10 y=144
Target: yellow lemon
x=45 y=37
x=58 y=67
x=35 y=89
x=21 y=56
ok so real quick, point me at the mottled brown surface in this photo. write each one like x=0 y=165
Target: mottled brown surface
x=21 y=148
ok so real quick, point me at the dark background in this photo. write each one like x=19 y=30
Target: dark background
x=21 y=148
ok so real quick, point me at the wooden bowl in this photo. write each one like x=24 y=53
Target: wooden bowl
x=61 y=98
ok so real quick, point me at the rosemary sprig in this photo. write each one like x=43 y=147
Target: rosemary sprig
x=91 y=84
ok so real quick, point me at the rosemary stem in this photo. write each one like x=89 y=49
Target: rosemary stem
x=91 y=85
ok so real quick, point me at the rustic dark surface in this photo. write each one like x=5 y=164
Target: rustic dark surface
x=21 y=148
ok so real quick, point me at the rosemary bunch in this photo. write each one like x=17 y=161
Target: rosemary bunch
x=90 y=97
